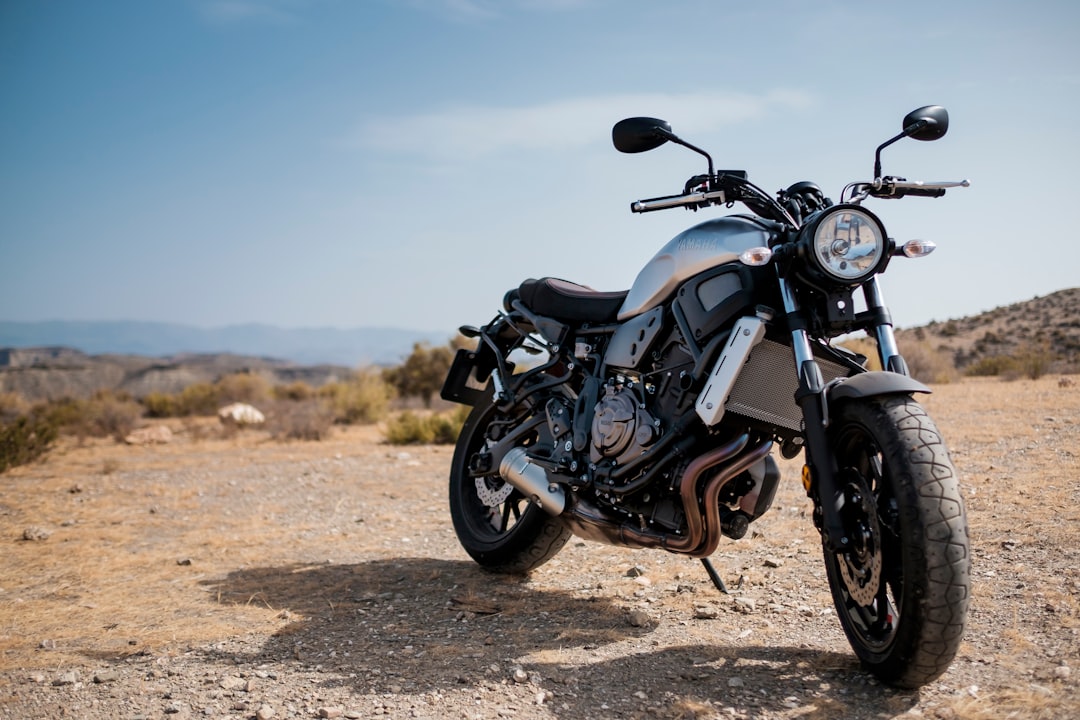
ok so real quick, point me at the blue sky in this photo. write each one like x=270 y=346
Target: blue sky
x=402 y=163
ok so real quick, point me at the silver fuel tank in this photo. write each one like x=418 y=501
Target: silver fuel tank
x=695 y=250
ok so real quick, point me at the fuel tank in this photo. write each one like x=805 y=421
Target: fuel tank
x=695 y=250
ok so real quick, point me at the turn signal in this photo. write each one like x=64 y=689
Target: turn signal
x=756 y=256
x=806 y=478
x=918 y=248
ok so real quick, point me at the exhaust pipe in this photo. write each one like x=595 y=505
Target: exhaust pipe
x=517 y=469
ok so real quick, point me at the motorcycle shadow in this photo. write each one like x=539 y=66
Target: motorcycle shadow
x=418 y=625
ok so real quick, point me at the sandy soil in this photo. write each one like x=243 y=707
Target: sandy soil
x=240 y=578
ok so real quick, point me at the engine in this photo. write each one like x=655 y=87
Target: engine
x=622 y=428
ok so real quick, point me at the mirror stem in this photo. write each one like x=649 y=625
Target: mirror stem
x=906 y=132
x=672 y=137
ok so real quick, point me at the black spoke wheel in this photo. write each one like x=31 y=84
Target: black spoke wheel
x=500 y=529
x=902 y=590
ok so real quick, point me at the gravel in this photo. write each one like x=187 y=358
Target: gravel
x=237 y=578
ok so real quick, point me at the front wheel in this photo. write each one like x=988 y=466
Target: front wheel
x=902 y=590
x=498 y=526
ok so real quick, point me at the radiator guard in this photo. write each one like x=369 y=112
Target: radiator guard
x=765 y=389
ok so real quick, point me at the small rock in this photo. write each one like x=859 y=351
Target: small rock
x=638 y=618
x=265 y=712
x=240 y=415
x=183 y=561
x=745 y=605
x=231 y=682
x=68 y=678
x=519 y=675
x=173 y=708
x=736 y=682
x=106 y=676
x=706 y=612
x=1062 y=672
x=636 y=571
x=772 y=562
x=35 y=534
x=331 y=712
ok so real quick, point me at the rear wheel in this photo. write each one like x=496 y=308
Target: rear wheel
x=902 y=590
x=498 y=526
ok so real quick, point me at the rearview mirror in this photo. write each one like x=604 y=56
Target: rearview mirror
x=927 y=123
x=639 y=134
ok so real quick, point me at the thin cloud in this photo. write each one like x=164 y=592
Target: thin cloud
x=464 y=132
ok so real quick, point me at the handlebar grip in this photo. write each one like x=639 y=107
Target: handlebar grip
x=920 y=192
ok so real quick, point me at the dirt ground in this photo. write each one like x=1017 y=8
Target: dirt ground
x=234 y=577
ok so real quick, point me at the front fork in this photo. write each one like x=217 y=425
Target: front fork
x=812 y=397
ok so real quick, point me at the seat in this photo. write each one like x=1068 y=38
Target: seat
x=566 y=301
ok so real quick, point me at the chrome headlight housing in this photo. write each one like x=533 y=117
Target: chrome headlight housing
x=845 y=245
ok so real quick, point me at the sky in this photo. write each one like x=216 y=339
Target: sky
x=403 y=163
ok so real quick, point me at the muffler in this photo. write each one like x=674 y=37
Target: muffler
x=532 y=481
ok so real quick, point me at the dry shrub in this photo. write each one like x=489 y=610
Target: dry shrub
x=105 y=414
x=309 y=419
x=242 y=387
x=409 y=428
x=364 y=398
x=294 y=391
x=25 y=439
x=929 y=364
x=12 y=406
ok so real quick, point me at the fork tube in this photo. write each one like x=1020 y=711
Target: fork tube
x=883 y=330
x=811 y=399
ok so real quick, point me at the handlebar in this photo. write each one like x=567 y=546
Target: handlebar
x=889 y=187
x=695 y=199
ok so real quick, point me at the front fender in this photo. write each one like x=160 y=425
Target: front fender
x=874 y=383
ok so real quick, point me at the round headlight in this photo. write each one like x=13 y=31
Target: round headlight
x=848 y=244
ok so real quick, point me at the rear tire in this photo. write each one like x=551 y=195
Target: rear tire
x=496 y=525
x=902 y=592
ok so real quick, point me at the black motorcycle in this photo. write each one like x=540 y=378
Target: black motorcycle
x=647 y=418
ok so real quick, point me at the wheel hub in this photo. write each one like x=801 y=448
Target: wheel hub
x=861 y=565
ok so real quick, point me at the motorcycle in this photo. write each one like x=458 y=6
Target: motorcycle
x=647 y=418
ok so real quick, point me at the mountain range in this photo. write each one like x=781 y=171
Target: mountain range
x=352 y=347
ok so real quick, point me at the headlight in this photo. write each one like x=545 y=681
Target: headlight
x=848 y=244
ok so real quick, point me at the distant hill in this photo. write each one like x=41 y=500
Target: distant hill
x=53 y=373
x=1048 y=325
x=306 y=346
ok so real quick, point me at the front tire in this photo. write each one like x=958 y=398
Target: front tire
x=902 y=591
x=496 y=525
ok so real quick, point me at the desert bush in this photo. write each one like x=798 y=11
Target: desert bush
x=409 y=428
x=423 y=372
x=309 y=419
x=162 y=405
x=112 y=415
x=25 y=439
x=295 y=391
x=364 y=398
x=928 y=364
x=864 y=346
x=242 y=387
x=12 y=405
x=991 y=365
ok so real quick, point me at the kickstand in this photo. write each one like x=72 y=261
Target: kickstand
x=714 y=576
